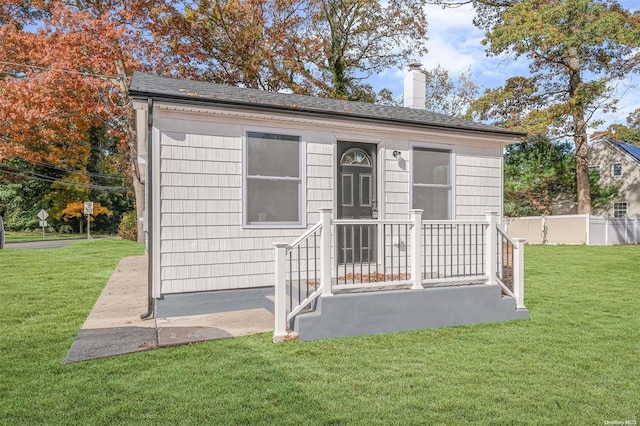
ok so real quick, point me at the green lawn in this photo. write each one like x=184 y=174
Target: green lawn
x=17 y=237
x=576 y=361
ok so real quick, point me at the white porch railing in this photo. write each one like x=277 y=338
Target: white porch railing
x=510 y=265
x=343 y=255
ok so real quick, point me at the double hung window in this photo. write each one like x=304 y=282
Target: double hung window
x=273 y=180
x=616 y=169
x=431 y=190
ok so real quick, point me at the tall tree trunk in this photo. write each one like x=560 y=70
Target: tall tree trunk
x=579 y=132
x=132 y=142
x=582 y=166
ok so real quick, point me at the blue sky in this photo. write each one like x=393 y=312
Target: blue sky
x=455 y=44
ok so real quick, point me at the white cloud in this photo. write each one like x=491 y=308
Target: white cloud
x=456 y=45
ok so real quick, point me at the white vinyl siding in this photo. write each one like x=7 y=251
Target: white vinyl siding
x=396 y=186
x=478 y=183
x=203 y=245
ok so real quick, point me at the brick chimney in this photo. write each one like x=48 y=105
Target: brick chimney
x=415 y=87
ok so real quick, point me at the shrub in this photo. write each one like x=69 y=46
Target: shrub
x=65 y=229
x=128 y=229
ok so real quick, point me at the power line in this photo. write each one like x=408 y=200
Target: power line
x=83 y=73
x=62 y=169
x=49 y=179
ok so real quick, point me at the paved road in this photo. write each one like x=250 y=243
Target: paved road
x=40 y=244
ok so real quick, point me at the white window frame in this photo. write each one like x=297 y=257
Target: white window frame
x=302 y=192
x=617 y=210
x=452 y=174
x=613 y=170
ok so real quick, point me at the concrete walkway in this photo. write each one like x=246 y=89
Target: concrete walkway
x=114 y=326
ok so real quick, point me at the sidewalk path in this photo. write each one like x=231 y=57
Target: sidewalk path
x=114 y=326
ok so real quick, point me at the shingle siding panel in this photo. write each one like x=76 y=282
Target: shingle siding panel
x=201 y=215
x=478 y=185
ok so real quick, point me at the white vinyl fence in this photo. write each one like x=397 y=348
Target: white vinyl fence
x=575 y=229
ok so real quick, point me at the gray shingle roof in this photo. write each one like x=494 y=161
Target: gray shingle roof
x=146 y=85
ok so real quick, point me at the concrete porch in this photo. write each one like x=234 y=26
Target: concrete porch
x=353 y=314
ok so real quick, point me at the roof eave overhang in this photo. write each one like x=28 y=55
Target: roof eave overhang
x=248 y=106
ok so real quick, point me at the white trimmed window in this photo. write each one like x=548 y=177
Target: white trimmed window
x=620 y=209
x=273 y=180
x=616 y=169
x=431 y=186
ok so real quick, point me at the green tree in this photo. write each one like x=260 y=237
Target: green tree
x=629 y=133
x=576 y=49
x=537 y=174
x=540 y=174
x=25 y=188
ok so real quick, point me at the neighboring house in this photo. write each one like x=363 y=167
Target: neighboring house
x=230 y=171
x=618 y=164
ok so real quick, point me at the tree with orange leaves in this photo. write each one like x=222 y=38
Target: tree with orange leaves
x=75 y=210
x=70 y=74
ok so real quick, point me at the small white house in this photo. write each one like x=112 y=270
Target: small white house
x=231 y=171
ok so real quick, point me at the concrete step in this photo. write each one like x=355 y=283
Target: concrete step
x=396 y=310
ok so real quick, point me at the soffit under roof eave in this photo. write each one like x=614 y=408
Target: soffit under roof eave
x=417 y=132
x=213 y=104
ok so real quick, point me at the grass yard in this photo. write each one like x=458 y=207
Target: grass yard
x=20 y=237
x=576 y=361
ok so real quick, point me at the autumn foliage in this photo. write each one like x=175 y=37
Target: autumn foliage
x=75 y=210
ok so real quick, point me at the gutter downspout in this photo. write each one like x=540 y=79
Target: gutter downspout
x=149 y=190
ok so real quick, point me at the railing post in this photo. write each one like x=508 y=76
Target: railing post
x=416 y=248
x=492 y=246
x=518 y=273
x=325 y=251
x=280 y=302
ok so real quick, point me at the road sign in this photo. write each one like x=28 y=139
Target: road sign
x=43 y=215
x=88 y=207
x=43 y=223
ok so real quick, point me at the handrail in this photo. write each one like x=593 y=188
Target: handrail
x=370 y=222
x=455 y=222
x=505 y=287
x=304 y=236
x=506 y=236
x=406 y=222
x=295 y=311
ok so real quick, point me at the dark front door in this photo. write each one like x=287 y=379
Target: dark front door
x=356 y=200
